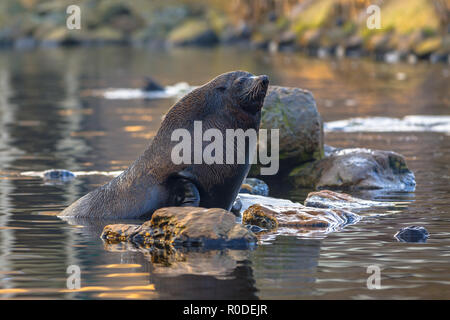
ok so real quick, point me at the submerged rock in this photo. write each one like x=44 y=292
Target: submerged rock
x=294 y=112
x=185 y=226
x=152 y=85
x=337 y=200
x=255 y=186
x=412 y=234
x=356 y=168
x=58 y=175
x=297 y=219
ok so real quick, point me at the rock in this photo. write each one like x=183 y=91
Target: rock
x=336 y=200
x=357 y=168
x=249 y=199
x=105 y=35
x=353 y=46
x=260 y=216
x=235 y=34
x=412 y=234
x=254 y=229
x=297 y=218
x=237 y=206
x=255 y=186
x=61 y=36
x=187 y=227
x=425 y=48
x=311 y=38
x=294 y=112
x=58 y=174
x=114 y=233
x=152 y=85
x=193 y=32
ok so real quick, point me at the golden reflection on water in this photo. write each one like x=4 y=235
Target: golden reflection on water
x=120 y=266
x=126 y=275
x=134 y=128
x=87 y=134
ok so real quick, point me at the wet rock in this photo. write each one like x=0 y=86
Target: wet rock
x=193 y=32
x=357 y=168
x=255 y=186
x=294 y=112
x=185 y=226
x=337 y=200
x=353 y=46
x=254 y=229
x=152 y=85
x=425 y=48
x=58 y=175
x=249 y=199
x=412 y=234
x=114 y=233
x=260 y=216
x=297 y=218
x=237 y=206
x=234 y=34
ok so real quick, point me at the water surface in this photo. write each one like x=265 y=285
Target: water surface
x=49 y=119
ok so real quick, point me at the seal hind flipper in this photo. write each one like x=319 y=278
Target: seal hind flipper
x=184 y=193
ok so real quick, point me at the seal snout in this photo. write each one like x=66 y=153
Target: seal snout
x=263 y=80
x=262 y=84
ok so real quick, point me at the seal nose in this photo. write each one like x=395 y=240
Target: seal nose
x=264 y=80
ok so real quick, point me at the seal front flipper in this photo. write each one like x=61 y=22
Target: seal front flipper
x=184 y=193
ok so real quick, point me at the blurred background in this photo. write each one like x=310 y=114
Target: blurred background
x=420 y=27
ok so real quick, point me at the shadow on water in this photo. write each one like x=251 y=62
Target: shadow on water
x=47 y=122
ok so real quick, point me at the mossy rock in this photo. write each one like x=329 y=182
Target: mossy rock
x=193 y=32
x=294 y=112
x=428 y=46
x=107 y=34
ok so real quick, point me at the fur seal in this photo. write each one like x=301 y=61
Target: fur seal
x=232 y=100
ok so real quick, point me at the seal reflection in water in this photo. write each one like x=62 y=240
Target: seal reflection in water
x=230 y=101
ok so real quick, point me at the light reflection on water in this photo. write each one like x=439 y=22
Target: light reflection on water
x=46 y=122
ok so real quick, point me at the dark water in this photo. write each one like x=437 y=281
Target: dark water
x=49 y=120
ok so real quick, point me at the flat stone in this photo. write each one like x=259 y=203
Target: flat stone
x=337 y=200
